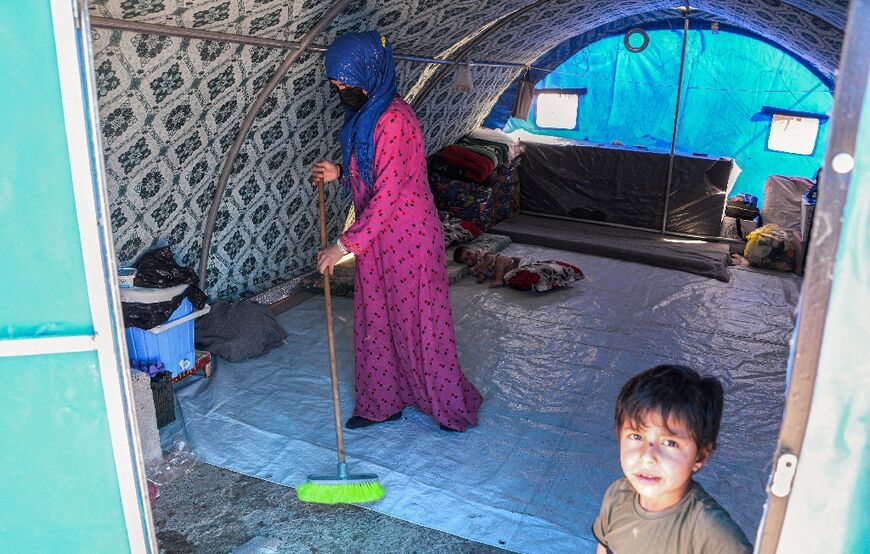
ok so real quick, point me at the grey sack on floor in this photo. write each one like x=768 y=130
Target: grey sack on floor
x=238 y=331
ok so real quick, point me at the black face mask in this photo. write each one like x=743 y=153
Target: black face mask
x=353 y=97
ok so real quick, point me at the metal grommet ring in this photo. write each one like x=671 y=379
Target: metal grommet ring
x=626 y=40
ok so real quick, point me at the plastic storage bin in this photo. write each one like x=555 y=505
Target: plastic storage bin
x=169 y=343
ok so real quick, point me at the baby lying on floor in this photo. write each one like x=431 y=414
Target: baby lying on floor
x=518 y=273
x=486 y=265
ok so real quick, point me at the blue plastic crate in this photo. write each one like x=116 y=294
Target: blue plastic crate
x=173 y=346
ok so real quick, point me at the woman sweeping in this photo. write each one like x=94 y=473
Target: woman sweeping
x=405 y=345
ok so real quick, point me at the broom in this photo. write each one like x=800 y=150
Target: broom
x=342 y=487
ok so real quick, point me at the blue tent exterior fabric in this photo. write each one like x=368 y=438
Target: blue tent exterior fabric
x=732 y=84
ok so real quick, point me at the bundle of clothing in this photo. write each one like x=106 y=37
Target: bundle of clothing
x=785 y=224
x=470 y=159
x=476 y=180
x=541 y=276
x=772 y=247
x=457 y=231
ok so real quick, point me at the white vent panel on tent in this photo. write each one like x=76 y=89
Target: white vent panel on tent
x=793 y=134
x=557 y=111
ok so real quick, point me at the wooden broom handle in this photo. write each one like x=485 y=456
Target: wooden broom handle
x=330 y=334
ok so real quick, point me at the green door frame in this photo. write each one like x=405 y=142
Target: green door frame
x=71 y=477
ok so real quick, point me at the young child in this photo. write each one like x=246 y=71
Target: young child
x=486 y=265
x=668 y=419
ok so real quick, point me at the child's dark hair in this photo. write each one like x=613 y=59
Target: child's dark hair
x=457 y=254
x=674 y=391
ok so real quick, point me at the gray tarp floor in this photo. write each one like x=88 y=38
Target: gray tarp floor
x=530 y=477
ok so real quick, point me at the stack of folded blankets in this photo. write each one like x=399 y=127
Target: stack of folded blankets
x=476 y=180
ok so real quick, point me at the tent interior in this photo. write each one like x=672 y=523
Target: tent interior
x=631 y=189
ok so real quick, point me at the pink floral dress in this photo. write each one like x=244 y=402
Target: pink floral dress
x=405 y=344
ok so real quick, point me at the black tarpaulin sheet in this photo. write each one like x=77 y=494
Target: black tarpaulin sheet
x=624 y=185
x=694 y=256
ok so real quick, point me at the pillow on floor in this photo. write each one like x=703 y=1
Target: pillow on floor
x=543 y=276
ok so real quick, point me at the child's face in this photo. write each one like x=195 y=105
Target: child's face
x=469 y=257
x=659 y=460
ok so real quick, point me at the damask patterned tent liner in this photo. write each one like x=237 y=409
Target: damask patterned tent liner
x=247 y=122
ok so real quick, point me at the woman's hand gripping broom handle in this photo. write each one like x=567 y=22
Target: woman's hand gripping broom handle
x=330 y=334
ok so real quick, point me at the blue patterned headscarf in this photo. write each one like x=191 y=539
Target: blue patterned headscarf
x=363 y=60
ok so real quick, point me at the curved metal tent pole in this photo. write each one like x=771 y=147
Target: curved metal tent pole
x=670 y=177
x=466 y=50
x=202 y=34
x=246 y=126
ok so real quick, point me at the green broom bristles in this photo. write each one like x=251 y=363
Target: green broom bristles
x=351 y=493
